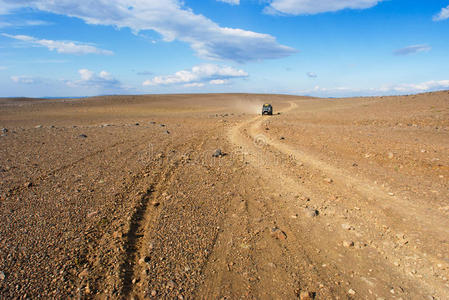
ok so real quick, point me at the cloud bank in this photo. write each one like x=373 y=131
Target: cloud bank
x=63 y=47
x=102 y=80
x=171 y=20
x=198 y=76
x=392 y=89
x=310 y=7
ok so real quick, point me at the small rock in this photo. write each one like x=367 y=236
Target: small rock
x=2 y=276
x=155 y=203
x=83 y=136
x=171 y=284
x=217 y=153
x=310 y=212
x=278 y=234
x=137 y=124
x=306 y=295
x=117 y=235
x=153 y=293
x=390 y=155
x=92 y=213
x=346 y=226
x=38 y=126
x=351 y=292
x=282 y=138
x=28 y=184
x=162 y=125
x=328 y=180
x=4 y=130
x=152 y=122
x=83 y=274
x=167 y=132
x=348 y=244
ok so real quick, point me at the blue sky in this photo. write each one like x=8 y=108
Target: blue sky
x=305 y=47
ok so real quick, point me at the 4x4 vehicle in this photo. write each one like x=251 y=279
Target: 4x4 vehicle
x=267 y=109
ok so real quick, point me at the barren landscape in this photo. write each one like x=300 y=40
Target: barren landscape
x=129 y=197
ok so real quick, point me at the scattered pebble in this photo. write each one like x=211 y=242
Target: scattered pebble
x=306 y=295
x=83 y=136
x=278 y=234
x=4 y=130
x=328 y=180
x=348 y=244
x=347 y=226
x=2 y=276
x=83 y=274
x=351 y=292
x=217 y=153
x=38 y=126
x=171 y=284
x=310 y=212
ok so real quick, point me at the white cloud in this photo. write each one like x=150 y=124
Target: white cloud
x=102 y=80
x=195 y=84
x=218 y=81
x=310 y=7
x=24 y=23
x=232 y=2
x=2 y=68
x=442 y=15
x=412 y=49
x=64 y=47
x=173 y=21
x=24 y=79
x=312 y=75
x=198 y=75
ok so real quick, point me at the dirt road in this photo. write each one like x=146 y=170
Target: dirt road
x=329 y=199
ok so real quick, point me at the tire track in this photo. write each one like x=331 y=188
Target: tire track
x=141 y=225
x=246 y=135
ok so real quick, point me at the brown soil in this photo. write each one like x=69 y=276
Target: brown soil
x=120 y=197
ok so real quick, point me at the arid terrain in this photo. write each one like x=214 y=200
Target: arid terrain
x=122 y=197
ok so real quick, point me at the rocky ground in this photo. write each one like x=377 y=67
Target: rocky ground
x=128 y=197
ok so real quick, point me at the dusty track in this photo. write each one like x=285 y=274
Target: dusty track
x=343 y=198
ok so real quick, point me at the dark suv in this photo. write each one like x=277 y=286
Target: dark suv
x=267 y=109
